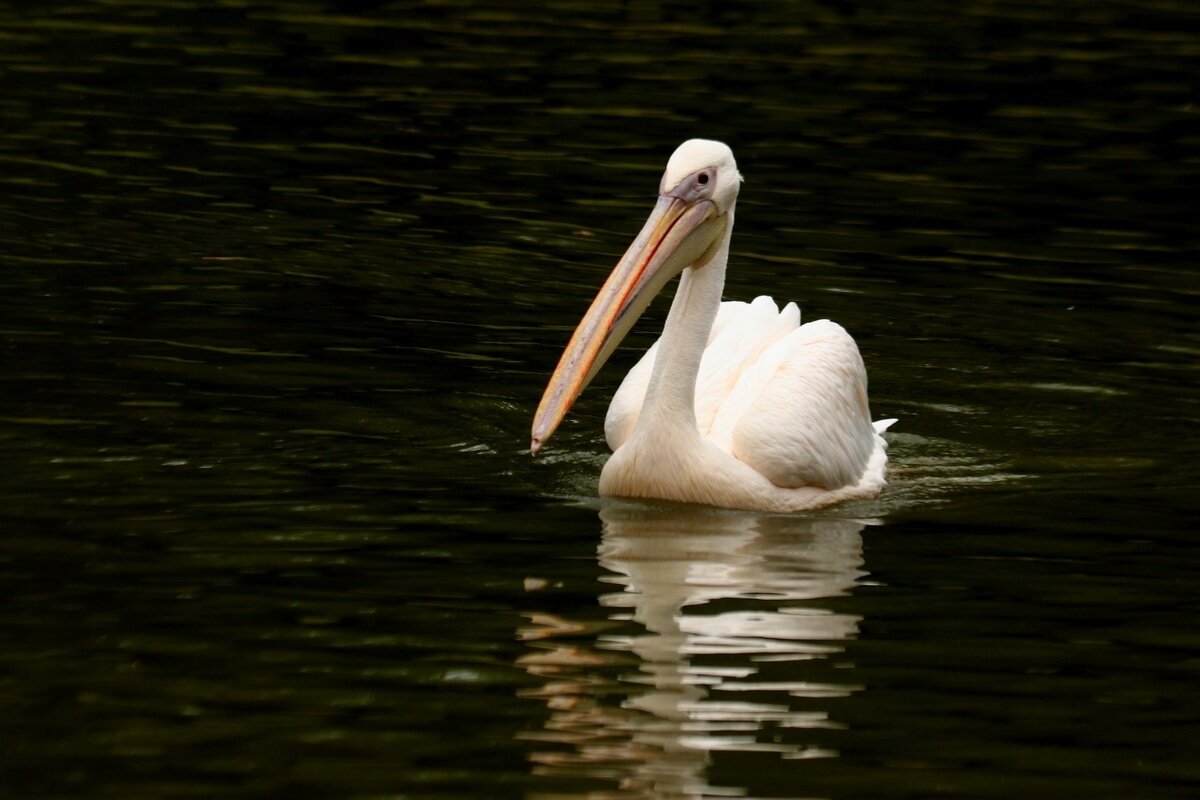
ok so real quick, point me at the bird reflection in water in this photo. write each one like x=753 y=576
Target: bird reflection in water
x=709 y=647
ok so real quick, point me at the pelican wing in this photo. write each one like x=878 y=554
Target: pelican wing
x=799 y=416
x=747 y=332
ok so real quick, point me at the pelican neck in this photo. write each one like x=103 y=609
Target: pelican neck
x=671 y=394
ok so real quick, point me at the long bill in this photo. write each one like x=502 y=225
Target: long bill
x=676 y=235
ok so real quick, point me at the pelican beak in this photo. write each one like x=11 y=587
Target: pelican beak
x=679 y=233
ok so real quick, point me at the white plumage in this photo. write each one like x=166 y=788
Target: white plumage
x=737 y=404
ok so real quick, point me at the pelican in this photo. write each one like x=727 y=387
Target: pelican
x=737 y=404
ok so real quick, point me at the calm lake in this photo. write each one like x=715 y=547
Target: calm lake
x=281 y=284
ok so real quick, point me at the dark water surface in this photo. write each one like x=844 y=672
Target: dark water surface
x=281 y=283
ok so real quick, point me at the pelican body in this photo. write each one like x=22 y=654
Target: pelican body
x=737 y=404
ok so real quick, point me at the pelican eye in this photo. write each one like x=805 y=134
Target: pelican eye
x=697 y=186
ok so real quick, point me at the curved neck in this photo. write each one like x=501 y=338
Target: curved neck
x=671 y=394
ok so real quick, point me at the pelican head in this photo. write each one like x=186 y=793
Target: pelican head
x=713 y=160
x=686 y=228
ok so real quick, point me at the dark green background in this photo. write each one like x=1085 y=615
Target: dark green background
x=281 y=283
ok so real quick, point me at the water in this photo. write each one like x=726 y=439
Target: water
x=281 y=286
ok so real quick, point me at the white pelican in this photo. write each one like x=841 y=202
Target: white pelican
x=736 y=405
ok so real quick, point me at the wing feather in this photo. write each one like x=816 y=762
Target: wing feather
x=801 y=417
